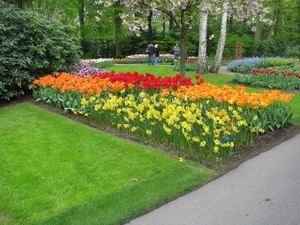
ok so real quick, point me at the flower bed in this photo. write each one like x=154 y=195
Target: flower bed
x=273 y=73
x=198 y=119
x=90 y=66
x=163 y=58
x=143 y=58
x=270 y=78
x=191 y=63
x=246 y=65
x=129 y=61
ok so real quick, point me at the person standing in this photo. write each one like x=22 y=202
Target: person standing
x=151 y=53
x=176 y=52
x=156 y=54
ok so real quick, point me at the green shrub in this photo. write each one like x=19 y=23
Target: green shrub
x=230 y=46
x=282 y=61
x=268 y=48
x=31 y=45
x=292 y=51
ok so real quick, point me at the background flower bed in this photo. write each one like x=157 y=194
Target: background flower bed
x=143 y=58
x=90 y=66
x=269 y=79
x=247 y=65
x=199 y=121
x=273 y=73
x=191 y=64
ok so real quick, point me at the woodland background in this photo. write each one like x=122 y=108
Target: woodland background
x=109 y=38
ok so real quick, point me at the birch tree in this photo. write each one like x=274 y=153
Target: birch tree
x=221 y=44
x=245 y=10
x=202 y=64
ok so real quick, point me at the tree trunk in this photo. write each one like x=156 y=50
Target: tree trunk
x=150 y=31
x=118 y=30
x=274 y=19
x=18 y=3
x=21 y=4
x=81 y=24
x=219 y=54
x=257 y=36
x=163 y=25
x=171 y=23
x=183 y=42
x=202 y=65
x=298 y=20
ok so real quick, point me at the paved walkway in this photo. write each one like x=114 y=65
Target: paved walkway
x=264 y=190
x=224 y=70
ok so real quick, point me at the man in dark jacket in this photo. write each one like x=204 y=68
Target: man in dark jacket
x=176 y=52
x=151 y=54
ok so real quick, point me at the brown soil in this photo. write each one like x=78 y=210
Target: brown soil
x=262 y=143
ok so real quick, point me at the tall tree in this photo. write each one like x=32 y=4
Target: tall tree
x=118 y=29
x=287 y=24
x=110 y=23
x=217 y=62
x=202 y=64
x=239 y=11
x=149 y=20
x=276 y=12
x=81 y=14
x=257 y=36
x=180 y=12
x=19 y=3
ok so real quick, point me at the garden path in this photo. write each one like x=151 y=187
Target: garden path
x=262 y=190
x=224 y=70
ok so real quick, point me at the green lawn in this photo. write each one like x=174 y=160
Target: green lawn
x=54 y=170
x=161 y=70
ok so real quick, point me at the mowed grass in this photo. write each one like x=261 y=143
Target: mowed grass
x=216 y=79
x=54 y=170
x=160 y=70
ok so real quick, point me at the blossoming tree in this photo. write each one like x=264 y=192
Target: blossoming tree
x=244 y=10
x=182 y=12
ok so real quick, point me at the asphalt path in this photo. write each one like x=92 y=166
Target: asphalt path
x=264 y=190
